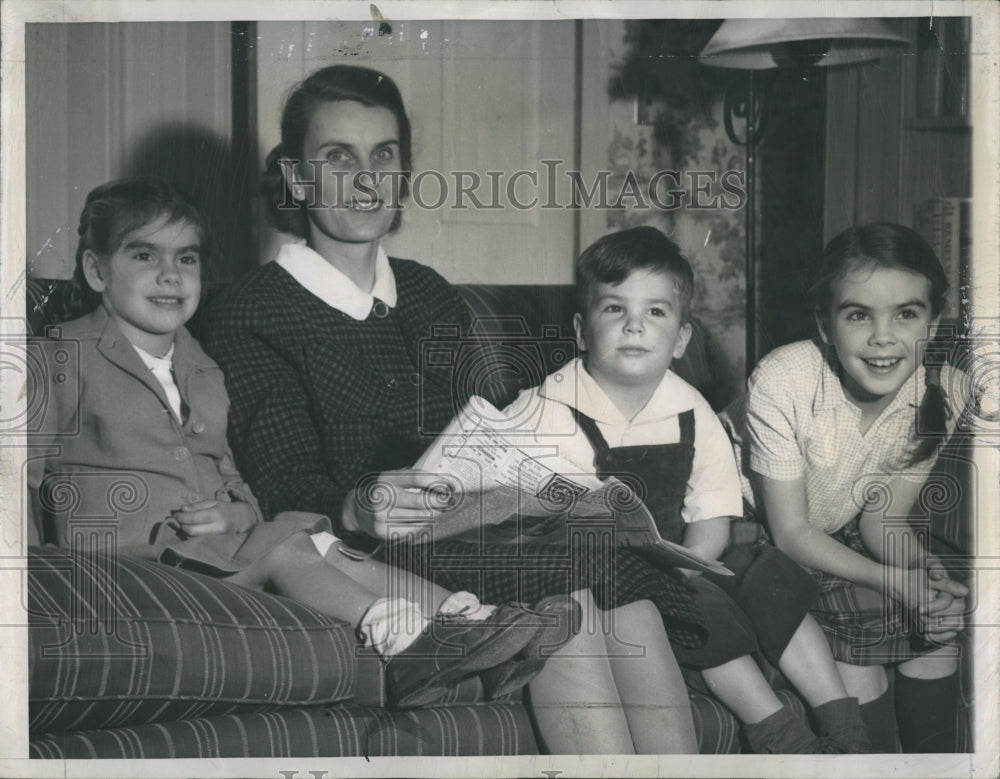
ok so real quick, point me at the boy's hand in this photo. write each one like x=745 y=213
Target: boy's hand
x=207 y=517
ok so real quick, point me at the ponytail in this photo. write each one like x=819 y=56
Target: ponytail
x=932 y=416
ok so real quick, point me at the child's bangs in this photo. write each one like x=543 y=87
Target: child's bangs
x=131 y=218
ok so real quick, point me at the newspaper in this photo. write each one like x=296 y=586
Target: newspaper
x=494 y=481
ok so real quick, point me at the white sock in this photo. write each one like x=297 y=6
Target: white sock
x=467 y=605
x=391 y=624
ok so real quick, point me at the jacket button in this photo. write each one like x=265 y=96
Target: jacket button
x=415 y=379
x=380 y=309
x=180 y=453
x=390 y=382
x=198 y=427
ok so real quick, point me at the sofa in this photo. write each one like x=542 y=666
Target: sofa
x=133 y=659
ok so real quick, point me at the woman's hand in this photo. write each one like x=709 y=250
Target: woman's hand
x=403 y=502
x=208 y=517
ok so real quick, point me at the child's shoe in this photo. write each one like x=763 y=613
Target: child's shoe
x=783 y=733
x=839 y=722
x=559 y=617
x=425 y=658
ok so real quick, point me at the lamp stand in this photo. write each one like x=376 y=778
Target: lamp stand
x=746 y=102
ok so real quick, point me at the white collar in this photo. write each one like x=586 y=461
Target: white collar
x=151 y=360
x=573 y=386
x=334 y=288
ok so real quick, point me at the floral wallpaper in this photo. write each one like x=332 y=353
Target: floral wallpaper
x=660 y=131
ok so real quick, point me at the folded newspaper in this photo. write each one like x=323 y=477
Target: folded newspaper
x=487 y=479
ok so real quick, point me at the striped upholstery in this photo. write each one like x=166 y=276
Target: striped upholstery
x=125 y=642
x=310 y=732
x=718 y=730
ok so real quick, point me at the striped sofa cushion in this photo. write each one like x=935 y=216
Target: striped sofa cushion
x=347 y=730
x=115 y=642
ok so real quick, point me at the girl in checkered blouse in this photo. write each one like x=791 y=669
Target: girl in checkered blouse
x=331 y=402
x=853 y=421
x=148 y=409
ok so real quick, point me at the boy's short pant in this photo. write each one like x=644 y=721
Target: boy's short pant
x=757 y=610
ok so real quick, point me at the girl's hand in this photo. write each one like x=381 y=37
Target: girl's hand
x=403 y=501
x=207 y=517
x=941 y=625
x=931 y=598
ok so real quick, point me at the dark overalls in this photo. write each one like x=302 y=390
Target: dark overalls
x=757 y=609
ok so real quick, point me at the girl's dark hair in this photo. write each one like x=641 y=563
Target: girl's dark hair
x=609 y=260
x=114 y=210
x=889 y=245
x=328 y=85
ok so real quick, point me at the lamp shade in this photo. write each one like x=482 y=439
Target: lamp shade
x=761 y=44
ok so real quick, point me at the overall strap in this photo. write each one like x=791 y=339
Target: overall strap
x=686 y=422
x=589 y=427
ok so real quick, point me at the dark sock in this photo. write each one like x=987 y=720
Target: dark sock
x=841 y=722
x=880 y=719
x=927 y=713
x=782 y=733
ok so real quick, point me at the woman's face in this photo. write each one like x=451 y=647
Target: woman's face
x=352 y=187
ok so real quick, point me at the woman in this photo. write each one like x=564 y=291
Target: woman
x=330 y=402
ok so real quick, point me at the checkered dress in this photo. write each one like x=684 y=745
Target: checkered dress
x=795 y=423
x=318 y=399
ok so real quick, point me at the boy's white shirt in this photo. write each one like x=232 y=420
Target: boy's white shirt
x=334 y=288
x=162 y=369
x=546 y=421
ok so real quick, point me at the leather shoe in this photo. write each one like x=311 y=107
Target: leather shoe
x=453 y=647
x=560 y=617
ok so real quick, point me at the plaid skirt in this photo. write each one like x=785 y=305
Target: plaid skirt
x=862 y=626
x=527 y=572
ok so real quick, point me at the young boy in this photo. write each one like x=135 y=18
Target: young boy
x=619 y=410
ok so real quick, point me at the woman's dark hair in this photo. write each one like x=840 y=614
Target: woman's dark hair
x=889 y=245
x=609 y=260
x=328 y=85
x=114 y=210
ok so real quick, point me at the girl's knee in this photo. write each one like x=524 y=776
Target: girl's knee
x=934 y=665
x=864 y=682
x=296 y=548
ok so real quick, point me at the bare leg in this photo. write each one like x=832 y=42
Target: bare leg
x=810 y=667
x=575 y=699
x=385 y=580
x=864 y=682
x=934 y=665
x=298 y=572
x=742 y=687
x=651 y=686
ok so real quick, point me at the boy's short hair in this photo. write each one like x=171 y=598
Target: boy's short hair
x=609 y=260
